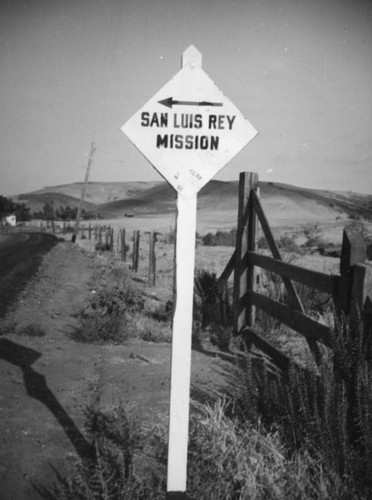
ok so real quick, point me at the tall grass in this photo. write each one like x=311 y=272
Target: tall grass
x=212 y=308
x=327 y=414
x=228 y=459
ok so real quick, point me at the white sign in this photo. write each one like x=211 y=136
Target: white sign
x=189 y=130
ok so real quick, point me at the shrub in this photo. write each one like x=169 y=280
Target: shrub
x=108 y=315
x=221 y=238
x=287 y=243
x=312 y=233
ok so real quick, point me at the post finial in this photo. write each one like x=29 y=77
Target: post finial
x=192 y=57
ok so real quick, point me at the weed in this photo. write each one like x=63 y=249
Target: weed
x=118 y=469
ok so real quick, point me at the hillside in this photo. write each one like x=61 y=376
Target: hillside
x=284 y=204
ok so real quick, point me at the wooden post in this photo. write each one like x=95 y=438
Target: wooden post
x=134 y=251
x=137 y=248
x=354 y=251
x=252 y=239
x=123 y=246
x=111 y=238
x=107 y=237
x=245 y=240
x=135 y=255
x=151 y=277
x=90 y=231
x=361 y=304
x=181 y=349
x=118 y=240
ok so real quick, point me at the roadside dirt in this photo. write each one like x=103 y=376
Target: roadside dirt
x=48 y=381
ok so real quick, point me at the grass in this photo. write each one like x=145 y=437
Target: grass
x=228 y=458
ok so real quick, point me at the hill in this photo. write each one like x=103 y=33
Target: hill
x=285 y=205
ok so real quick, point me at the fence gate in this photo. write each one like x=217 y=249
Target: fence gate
x=351 y=289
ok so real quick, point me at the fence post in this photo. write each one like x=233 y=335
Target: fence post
x=111 y=238
x=123 y=246
x=90 y=231
x=107 y=237
x=135 y=256
x=361 y=304
x=151 y=278
x=245 y=240
x=354 y=251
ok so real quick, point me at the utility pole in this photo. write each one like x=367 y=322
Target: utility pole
x=90 y=161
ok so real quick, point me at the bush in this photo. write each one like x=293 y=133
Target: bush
x=312 y=233
x=108 y=315
x=221 y=238
x=287 y=243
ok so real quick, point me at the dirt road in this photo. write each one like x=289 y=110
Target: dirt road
x=47 y=381
x=20 y=256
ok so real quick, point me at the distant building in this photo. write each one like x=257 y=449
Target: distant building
x=9 y=220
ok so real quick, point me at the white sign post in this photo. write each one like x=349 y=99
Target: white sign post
x=189 y=130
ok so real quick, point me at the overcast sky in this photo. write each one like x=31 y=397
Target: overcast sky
x=73 y=71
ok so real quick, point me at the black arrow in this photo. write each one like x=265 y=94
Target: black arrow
x=169 y=102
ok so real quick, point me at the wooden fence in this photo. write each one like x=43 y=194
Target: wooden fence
x=351 y=289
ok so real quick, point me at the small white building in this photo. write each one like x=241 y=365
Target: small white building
x=9 y=220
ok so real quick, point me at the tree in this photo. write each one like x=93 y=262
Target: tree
x=8 y=206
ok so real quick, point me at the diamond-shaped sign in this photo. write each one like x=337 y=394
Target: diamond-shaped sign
x=189 y=130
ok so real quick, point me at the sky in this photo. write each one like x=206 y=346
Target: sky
x=72 y=72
